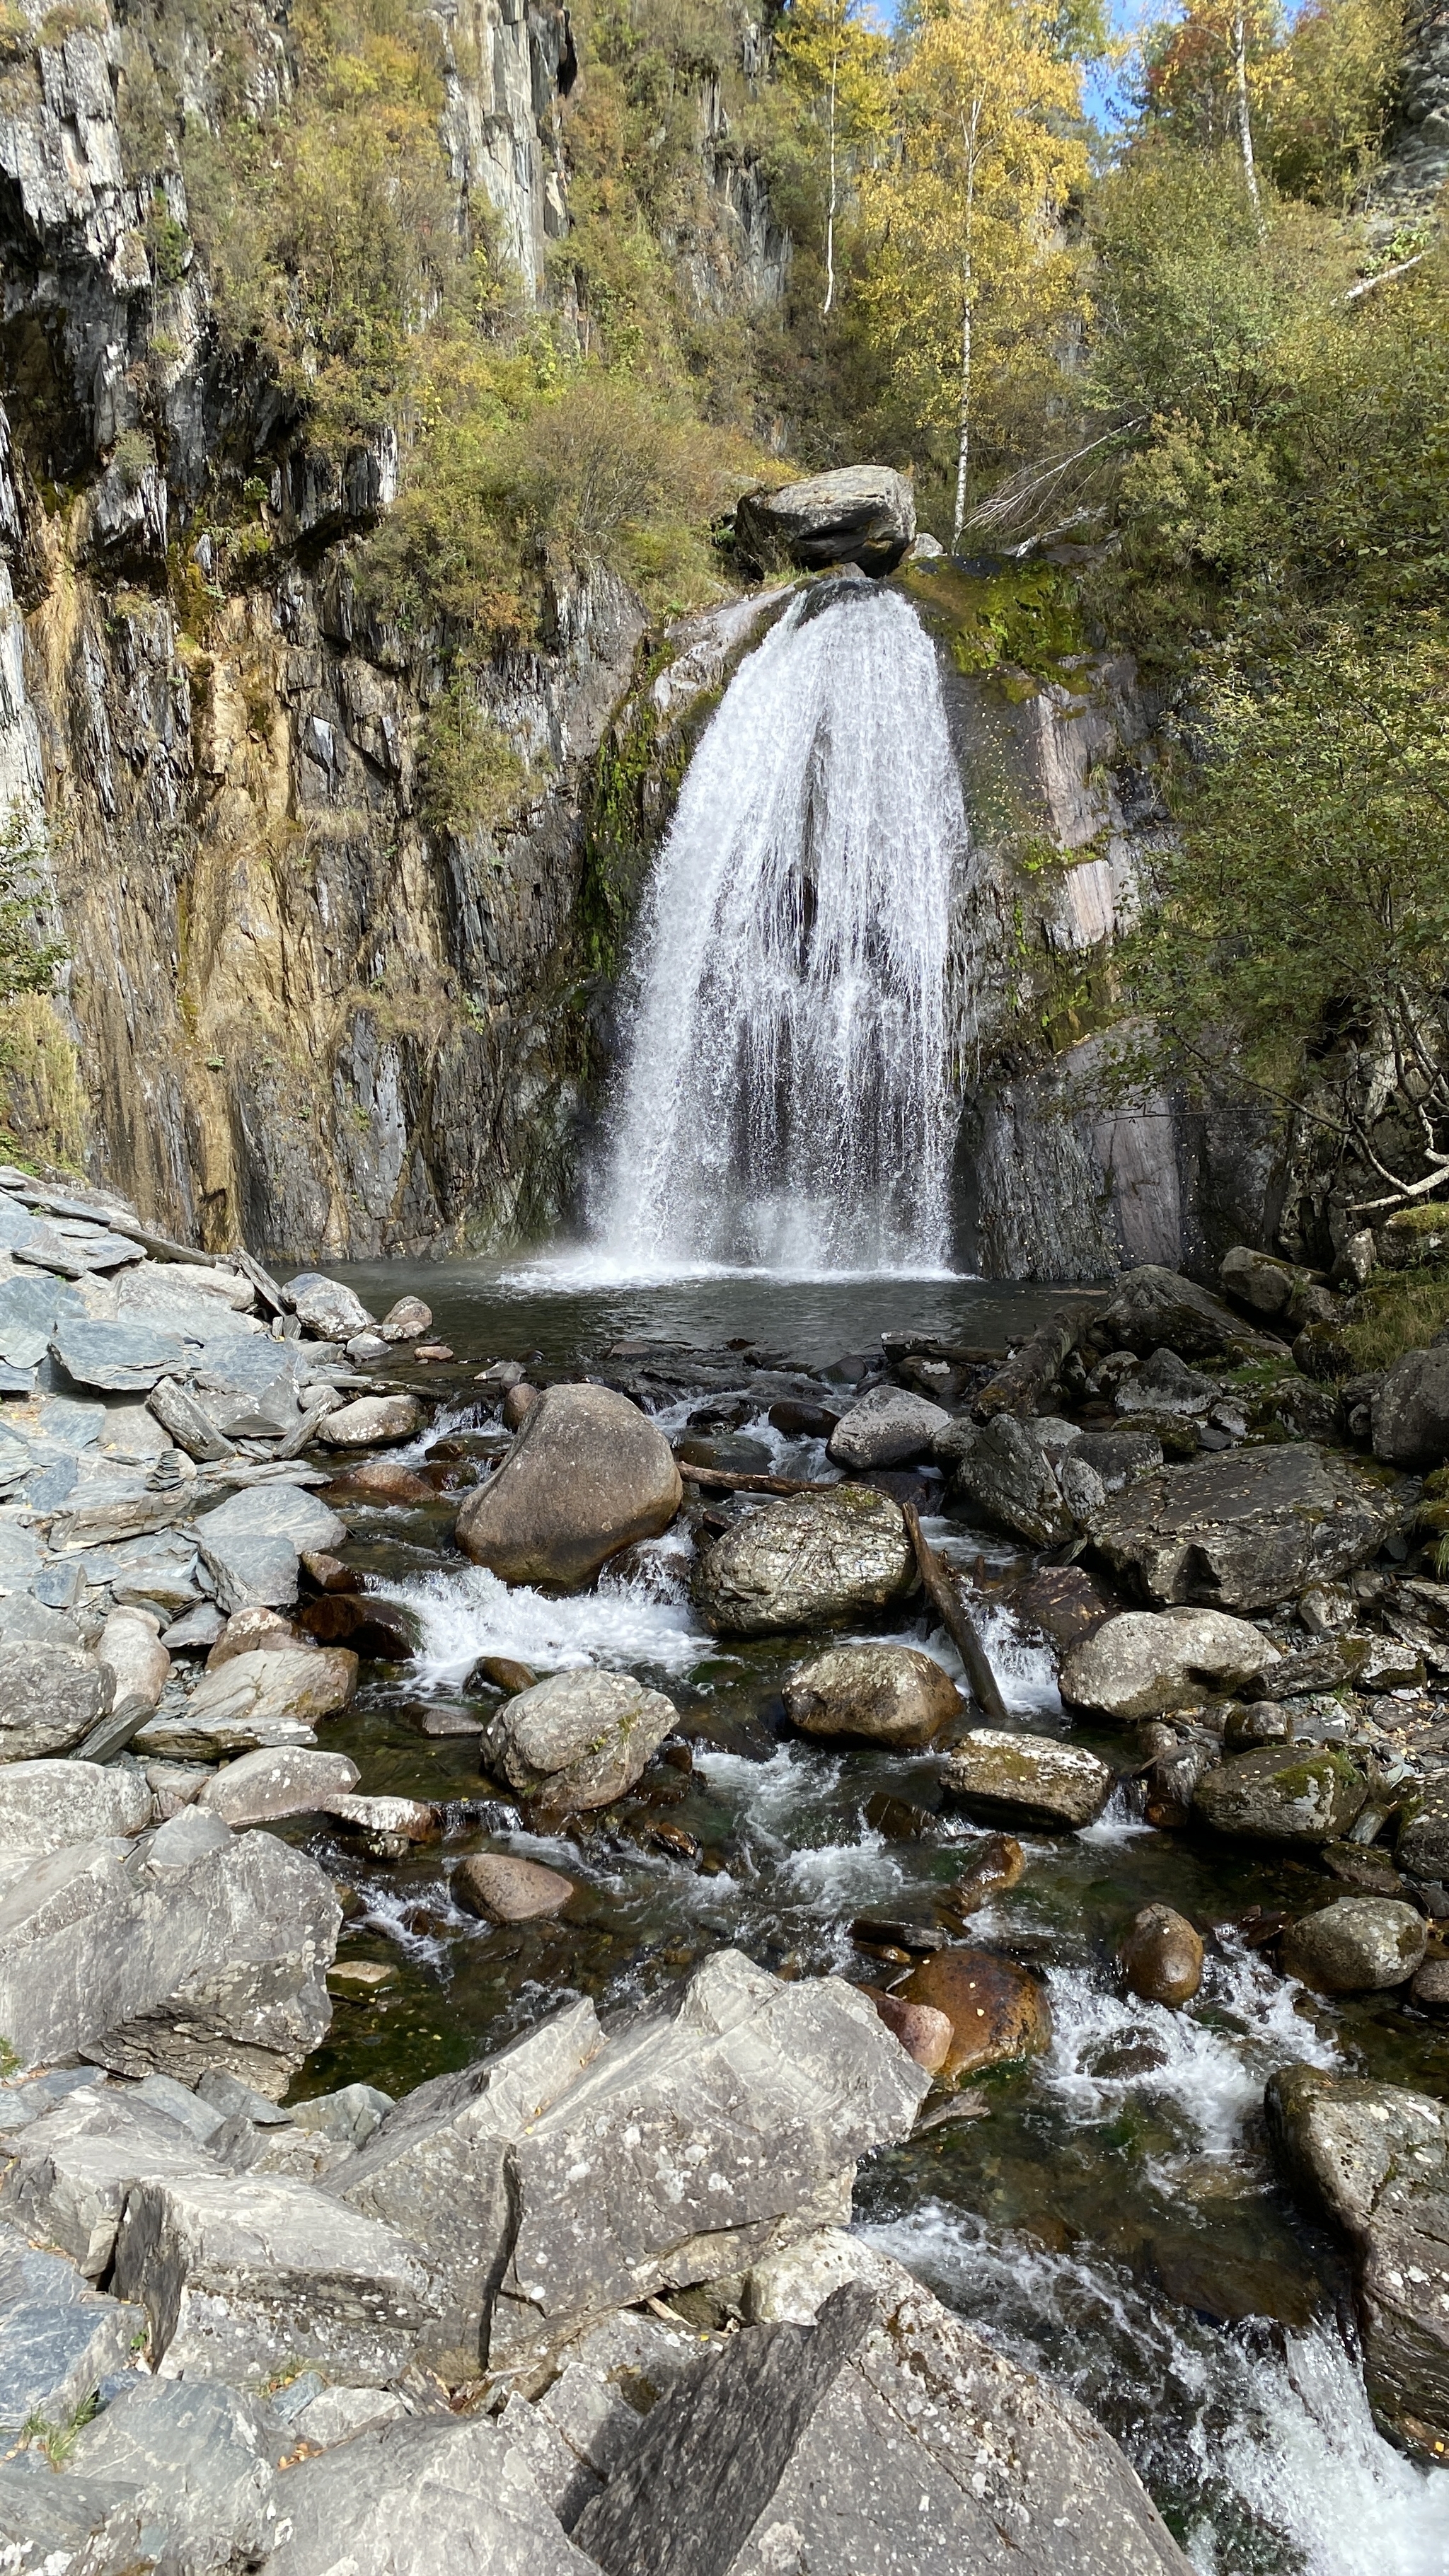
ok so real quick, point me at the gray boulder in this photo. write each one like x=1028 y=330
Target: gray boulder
x=587 y=1475
x=289 y=1780
x=581 y=1739
x=806 y=1562
x=75 y=2165
x=1165 y=1384
x=1423 y=1844
x=1145 y=1662
x=327 y=1308
x=1257 y=1280
x=887 y=1427
x=267 y=1698
x=1374 y=2159
x=274 y=1511
x=1357 y=1944
x=872 y=1695
x=1244 y=1529
x=1410 y=1410
x=218 y=1963
x=860 y=514
x=406 y=1320
x=234 y=2270
x=1152 y=1308
x=130 y=1645
x=1004 y=1474
x=1282 y=1794
x=438 y=2170
x=200 y=2461
x=693 y=2142
x=119 y=1359
x=76 y=2526
x=370 y=1420
x=1027 y=1780
x=50 y=1697
x=885 y=2436
x=44 y=1805
x=59 y=2337
x=416 y=2498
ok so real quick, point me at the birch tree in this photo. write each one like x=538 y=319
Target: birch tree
x=969 y=277
x=836 y=58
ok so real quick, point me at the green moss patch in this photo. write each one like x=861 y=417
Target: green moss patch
x=1019 y=625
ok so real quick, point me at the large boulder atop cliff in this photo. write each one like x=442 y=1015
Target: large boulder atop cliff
x=1153 y=1308
x=580 y=1740
x=1244 y=1529
x=861 y=514
x=588 y=1474
x=1145 y=1662
x=861 y=2442
x=1282 y=1793
x=1374 y=2158
x=1410 y=1410
x=807 y=1562
x=872 y=1695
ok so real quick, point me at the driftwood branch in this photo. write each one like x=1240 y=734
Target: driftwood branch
x=731 y=1481
x=957 y=1621
x=1019 y=1381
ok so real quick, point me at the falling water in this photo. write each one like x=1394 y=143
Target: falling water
x=787 y=1101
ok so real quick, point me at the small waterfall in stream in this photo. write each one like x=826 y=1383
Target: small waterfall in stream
x=787 y=1096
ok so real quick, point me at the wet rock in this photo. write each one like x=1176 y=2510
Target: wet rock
x=1410 y=1410
x=289 y=1780
x=699 y=2138
x=269 y=1698
x=369 y=1421
x=386 y=1827
x=1423 y=1842
x=872 y=1694
x=1145 y=1662
x=368 y=1625
x=45 y=1805
x=504 y=1890
x=59 y=2337
x=413 y=2498
x=325 y=1307
x=1282 y=1794
x=1154 y=1308
x=233 y=2271
x=383 y=1480
x=999 y=1471
x=518 y=1404
x=926 y=2035
x=329 y=1573
x=1430 y=1989
x=1374 y=2158
x=1161 y=1956
x=996 y=2011
x=501 y=1672
x=800 y=1420
x=884 y=2436
x=1356 y=1944
x=1118 y=1458
x=51 y=1696
x=587 y=1475
x=198 y=2459
x=406 y=1320
x=887 y=1427
x=1368 y=1871
x=1257 y=1280
x=997 y=1864
x=859 y=514
x=119 y=1359
x=438 y=2170
x=1027 y=1780
x=1064 y=1602
x=806 y=1562
x=1165 y=1384
x=253 y=1542
x=1246 y=1528
x=252 y=1632
x=581 y=1739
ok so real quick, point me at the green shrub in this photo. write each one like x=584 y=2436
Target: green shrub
x=471 y=777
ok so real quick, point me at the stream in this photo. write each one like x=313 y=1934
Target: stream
x=1112 y=2218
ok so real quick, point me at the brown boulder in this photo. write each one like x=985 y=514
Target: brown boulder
x=875 y=1694
x=384 y=1480
x=588 y=1474
x=360 y=1620
x=253 y=1632
x=996 y=2011
x=504 y=1890
x=998 y=1864
x=1161 y=1956
x=924 y=2033
x=518 y=1404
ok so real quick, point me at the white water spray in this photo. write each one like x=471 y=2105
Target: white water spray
x=787 y=1101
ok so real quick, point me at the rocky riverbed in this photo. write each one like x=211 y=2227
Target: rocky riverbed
x=479 y=1872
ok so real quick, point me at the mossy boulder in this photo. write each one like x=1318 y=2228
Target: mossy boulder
x=1282 y=1793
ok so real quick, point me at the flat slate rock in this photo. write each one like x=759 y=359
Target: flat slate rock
x=121 y=1359
x=59 y=2337
x=1244 y=1529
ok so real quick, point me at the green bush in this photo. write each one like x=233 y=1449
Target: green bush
x=471 y=777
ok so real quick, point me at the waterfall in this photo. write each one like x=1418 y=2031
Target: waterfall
x=786 y=1097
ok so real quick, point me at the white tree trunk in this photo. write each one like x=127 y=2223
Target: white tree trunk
x=963 y=418
x=1245 y=122
x=830 y=207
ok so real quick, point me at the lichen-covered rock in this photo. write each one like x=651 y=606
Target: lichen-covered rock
x=886 y=1427
x=587 y=1475
x=1410 y=1410
x=45 y=1805
x=369 y=1421
x=1244 y=1529
x=1145 y=1662
x=806 y=1562
x=50 y=1696
x=1257 y=1280
x=1153 y=1308
x=581 y=1739
x=284 y=1780
x=1003 y=1473
x=860 y=514
x=1357 y=1944
x=1374 y=2158
x=1423 y=1844
x=873 y=1695
x=1030 y=1780
x=1293 y=1793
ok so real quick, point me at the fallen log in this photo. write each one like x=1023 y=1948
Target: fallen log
x=1019 y=1381
x=731 y=1481
x=957 y=1621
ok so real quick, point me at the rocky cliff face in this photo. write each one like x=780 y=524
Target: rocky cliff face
x=1405 y=188
x=296 y=1014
